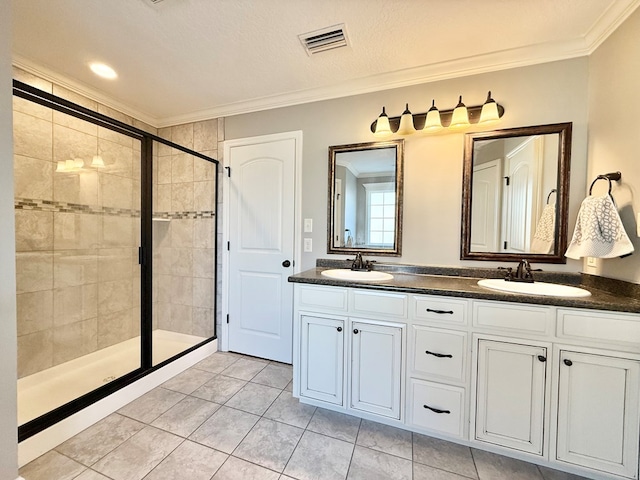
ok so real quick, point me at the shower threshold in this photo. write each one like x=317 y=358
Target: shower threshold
x=48 y=389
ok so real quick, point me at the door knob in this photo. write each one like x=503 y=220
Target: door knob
x=286 y=264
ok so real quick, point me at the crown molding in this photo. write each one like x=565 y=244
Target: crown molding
x=82 y=89
x=608 y=22
x=491 y=62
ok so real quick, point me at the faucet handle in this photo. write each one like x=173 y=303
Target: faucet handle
x=509 y=273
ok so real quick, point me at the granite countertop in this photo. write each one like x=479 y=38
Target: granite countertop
x=454 y=282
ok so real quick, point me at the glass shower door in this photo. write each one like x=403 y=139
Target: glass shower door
x=77 y=213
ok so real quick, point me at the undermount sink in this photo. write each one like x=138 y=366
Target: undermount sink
x=357 y=276
x=535 y=288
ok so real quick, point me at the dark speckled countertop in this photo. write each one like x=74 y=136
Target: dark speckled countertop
x=606 y=294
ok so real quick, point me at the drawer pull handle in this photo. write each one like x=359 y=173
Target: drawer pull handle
x=568 y=363
x=339 y=329
x=440 y=312
x=436 y=410
x=439 y=355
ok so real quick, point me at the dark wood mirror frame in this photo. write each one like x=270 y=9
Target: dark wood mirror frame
x=562 y=202
x=396 y=251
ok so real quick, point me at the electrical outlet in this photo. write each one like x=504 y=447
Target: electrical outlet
x=308 y=245
x=308 y=225
x=592 y=262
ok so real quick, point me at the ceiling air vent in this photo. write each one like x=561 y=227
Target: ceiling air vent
x=324 y=39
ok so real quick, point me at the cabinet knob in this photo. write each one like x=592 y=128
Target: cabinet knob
x=286 y=264
x=436 y=410
x=567 y=362
x=355 y=330
x=542 y=358
x=339 y=329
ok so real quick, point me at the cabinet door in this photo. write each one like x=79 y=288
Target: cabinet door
x=598 y=412
x=510 y=395
x=376 y=368
x=322 y=359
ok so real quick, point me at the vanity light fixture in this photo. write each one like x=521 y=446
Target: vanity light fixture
x=460 y=117
x=382 y=127
x=71 y=165
x=406 y=123
x=103 y=70
x=489 y=113
x=435 y=120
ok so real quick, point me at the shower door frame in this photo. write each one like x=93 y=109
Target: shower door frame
x=145 y=253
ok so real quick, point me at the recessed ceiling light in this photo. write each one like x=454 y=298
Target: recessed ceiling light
x=104 y=71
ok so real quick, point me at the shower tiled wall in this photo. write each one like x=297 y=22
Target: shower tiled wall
x=184 y=260
x=77 y=234
x=78 y=282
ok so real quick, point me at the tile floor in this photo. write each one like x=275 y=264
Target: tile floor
x=232 y=417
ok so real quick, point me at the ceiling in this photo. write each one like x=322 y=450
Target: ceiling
x=186 y=60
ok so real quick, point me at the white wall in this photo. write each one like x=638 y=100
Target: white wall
x=541 y=94
x=8 y=367
x=614 y=103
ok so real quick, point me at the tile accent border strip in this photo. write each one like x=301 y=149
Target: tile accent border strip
x=65 y=207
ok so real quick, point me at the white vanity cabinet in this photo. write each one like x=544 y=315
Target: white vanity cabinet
x=376 y=367
x=438 y=366
x=511 y=385
x=348 y=361
x=556 y=386
x=322 y=358
x=598 y=409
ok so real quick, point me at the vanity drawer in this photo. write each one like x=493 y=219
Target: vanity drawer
x=511 y=317
x=599 y=326
x=438 y=407
x=323 y=298
x=441 y=310
x=378 y=303
x=439 y=353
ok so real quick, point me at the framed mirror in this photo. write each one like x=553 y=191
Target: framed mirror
x=365 y=198
x=515 y=194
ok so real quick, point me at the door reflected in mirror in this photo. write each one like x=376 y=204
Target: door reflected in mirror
x=515 y=194
x=365 y=198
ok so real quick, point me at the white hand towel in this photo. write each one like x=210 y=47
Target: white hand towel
x=599 y=231
x=543 y=239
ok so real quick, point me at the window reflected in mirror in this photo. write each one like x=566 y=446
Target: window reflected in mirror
x=365 y=198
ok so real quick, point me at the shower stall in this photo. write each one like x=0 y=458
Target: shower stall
x=115 y=252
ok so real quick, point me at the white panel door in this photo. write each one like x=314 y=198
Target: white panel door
x=486 y=209
x=520 y=195
x=598 y=412
x=510 y=394
x=376 y=368
x=261 y=248
x=322 y=358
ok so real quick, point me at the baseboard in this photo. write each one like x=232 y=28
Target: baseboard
x=38 y=444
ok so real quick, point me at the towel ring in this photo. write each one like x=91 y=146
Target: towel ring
x=608 y=177
x=552 y=192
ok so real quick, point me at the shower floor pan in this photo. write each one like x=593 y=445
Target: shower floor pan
x=43 y=391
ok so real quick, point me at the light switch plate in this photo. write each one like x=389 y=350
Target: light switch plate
x=592 y=262
x=308 y=225
x=308 y=245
